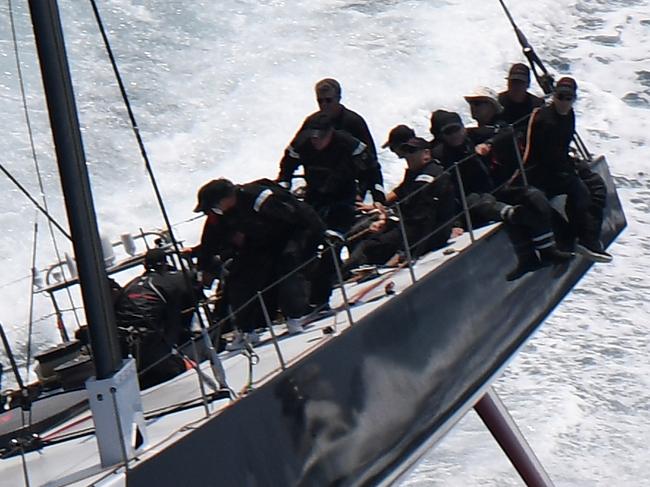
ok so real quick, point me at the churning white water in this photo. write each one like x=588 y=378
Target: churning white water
x=219 y=88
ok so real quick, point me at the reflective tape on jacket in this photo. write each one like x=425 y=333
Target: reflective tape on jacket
x=360 y=148
x=424 y=178
x=261 y=198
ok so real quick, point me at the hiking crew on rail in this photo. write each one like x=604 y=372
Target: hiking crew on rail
x=504 y=169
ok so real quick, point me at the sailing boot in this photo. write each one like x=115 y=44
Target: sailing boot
x=241 y=340
x=547 y=249
x=593 y=251
x=552 y=255
x=527 y=261
x=295 y=325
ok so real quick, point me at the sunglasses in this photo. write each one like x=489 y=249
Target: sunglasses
x=451 y=130
x=318 y=133
x=408 y=149
x=478 y=103
x=565 y=97
x=328 y=100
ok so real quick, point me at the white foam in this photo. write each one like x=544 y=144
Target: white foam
x=219 y=88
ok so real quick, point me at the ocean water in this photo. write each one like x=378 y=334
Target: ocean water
x=219 y=88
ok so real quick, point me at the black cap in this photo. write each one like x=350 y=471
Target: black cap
x=398 y=135
x=211 y=193
x=414 y=144
x=315 y=125
x=520 y=72
x=566 y=85
x=155 y=258
x=442 y=120
x=318 y=121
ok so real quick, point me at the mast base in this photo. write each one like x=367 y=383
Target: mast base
x=118 y=415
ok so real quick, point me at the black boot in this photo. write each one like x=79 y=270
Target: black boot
x=552 y=255
x=526 y=263
x=593 y=251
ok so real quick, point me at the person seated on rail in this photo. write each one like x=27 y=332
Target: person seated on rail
x=551 y=167
x=534 y=242
x=516 y=101
x=269 y=234
x=426 y=206
x=493 y=137
x=334 y=162
x=455 y=151
x=525 y=211
x=154 y=313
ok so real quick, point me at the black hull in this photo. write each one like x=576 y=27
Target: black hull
x=359 y=407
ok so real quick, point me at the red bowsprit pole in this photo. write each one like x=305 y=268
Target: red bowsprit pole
x=495 y=416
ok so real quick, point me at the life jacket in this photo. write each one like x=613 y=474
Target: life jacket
x=141 y=304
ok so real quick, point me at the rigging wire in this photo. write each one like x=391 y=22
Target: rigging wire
x=134 y=125
x=214 y=359
x=45 y=210
x=40 y=208
x=30 y=323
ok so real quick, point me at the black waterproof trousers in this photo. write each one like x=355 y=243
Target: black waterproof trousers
x=253 y=272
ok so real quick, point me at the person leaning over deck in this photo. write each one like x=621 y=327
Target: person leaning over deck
x=328 y=96
x=426 y=199
x=517 y=102
x=550 y=167
x=154 y=313
x=333 y=162
x=268 y=233
x=532 y=233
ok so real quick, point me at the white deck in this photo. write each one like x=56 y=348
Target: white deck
x=76 y=461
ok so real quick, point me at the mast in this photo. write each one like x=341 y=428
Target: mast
x=76 y=186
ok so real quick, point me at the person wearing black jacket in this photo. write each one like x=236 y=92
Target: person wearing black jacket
x=530 y=222
x=493 y=137
x=427 y=206
x=154 y=313
x=328 y=96
x=517 y=102
x=550 y=167
x=267 y=233
x=451 y=145
x=333 y=162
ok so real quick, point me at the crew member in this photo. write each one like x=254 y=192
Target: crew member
x=333 y=162
x=517 y=102
x=427 y=205
x=154 y=313
x=451 y=145
x=493 y=136
x=550 y=167
x=328 y=96
x=268 y=234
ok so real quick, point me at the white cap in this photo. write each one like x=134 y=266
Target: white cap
x=485 y=93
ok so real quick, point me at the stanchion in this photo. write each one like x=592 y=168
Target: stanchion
x=461 y=188
x=520 y=160
x=406 y=242
x=269 y=323
x=339 y=275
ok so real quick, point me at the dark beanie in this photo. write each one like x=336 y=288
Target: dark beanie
x=442 y=120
